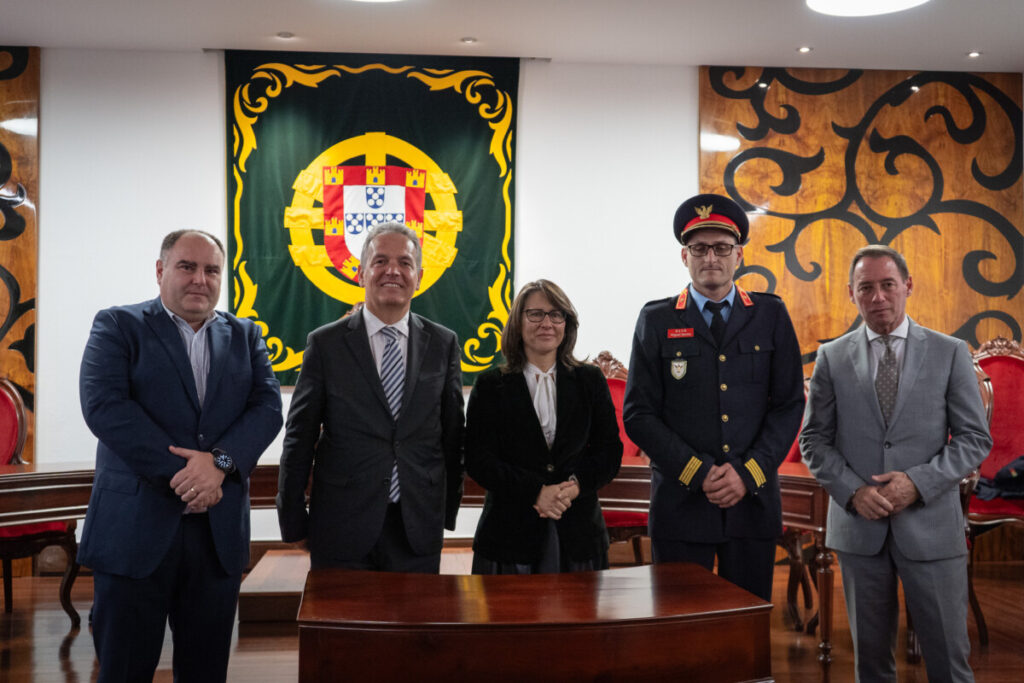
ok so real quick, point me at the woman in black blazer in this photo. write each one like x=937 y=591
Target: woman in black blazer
x=541 y=437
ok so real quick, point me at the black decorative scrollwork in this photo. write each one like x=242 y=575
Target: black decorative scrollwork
x=19 y=62
x=983 y=101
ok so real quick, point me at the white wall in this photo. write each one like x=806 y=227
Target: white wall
x=133 y=146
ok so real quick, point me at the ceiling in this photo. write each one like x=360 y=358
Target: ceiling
x=935 y=36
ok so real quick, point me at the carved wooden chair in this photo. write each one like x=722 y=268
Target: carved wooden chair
x=623 y=524
x=28 y=540
x=1003 y=361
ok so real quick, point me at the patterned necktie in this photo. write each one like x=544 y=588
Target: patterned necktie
x=392 y=376
x=887 y=379
x=717 y=321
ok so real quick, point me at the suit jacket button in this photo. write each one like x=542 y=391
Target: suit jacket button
x=721 y=357
x=725 y=418
x=549 y=467
x=888 y=444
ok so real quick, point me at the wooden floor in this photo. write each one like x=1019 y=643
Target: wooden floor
x=37 y=645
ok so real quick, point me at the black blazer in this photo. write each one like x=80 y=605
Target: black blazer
x=506 y=454
x=339 y=390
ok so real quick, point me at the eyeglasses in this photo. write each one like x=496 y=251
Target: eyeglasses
x=536 y=315
x=721 y=250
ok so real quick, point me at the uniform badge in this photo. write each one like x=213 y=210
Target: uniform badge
x=678 y=368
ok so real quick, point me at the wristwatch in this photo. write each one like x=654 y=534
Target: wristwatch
x=222 y=461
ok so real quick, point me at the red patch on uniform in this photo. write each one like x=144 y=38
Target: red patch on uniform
x=680 y=333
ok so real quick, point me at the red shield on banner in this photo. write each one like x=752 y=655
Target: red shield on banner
x=356 y=198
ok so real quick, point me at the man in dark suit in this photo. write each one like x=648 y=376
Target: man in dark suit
x=894 y=422
x=183 y=401
x=377 y=416
x=714 y=397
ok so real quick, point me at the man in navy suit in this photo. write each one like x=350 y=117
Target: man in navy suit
x=714 y=397
x=183 y=401
x=384 y=446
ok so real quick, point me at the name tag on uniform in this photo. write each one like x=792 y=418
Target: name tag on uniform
x=680 y=333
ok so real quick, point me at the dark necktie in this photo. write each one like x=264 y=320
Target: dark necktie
x=887 y=379
x=392 y=376
x=717 y=321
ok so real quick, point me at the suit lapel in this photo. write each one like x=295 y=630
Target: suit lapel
x=519 y=396
x=359 y=346
x=861 y=359
x=913 y=360
x=219 y=341
x=738 y=317
x=166 y=331
x=568 y=405
x=419 y=338
x=691 y=317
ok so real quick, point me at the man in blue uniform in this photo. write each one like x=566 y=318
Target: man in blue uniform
x=714 y=397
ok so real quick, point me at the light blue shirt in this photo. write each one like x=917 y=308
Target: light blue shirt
x=701 y=300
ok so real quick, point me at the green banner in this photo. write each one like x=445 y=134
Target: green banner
x=428 y=141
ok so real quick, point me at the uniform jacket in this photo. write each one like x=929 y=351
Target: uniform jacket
x=690 y=405
x=339 y=391
x=938 y=434
x=507 y=454
x=139 y=397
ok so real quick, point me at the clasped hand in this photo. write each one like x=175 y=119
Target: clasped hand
x=897 y=491
x=198 y=484
x=723 y=486
x=555 y=499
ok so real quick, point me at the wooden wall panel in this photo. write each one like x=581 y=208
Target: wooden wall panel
x=19 y=201
x=830 y=160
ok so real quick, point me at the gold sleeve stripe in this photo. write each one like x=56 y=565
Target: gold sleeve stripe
x=755 y=472
x=690 y=470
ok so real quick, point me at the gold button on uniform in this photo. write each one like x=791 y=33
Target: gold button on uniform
x=721 y=357
x=725 y=448
x=757 y=347
x=679 y=353
x=725 y=418
x=723 y=387
x=549 y=467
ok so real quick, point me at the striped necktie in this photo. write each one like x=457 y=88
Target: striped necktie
x=392 y=376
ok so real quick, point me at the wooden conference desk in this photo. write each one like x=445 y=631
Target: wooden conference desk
x=30 y=493
x=653 y=622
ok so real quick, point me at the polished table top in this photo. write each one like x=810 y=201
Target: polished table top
x=649 y=592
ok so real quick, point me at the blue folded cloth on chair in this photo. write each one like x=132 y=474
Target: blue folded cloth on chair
x=1008 y=482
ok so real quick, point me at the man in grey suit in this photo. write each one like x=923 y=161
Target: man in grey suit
x=377 y=416
x=894 y=421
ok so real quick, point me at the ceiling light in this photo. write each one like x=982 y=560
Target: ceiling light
x=468 y=40
x=762 y=84
x=285 y=35
x=861 y=8
x=974 y=54
x=377 y=0
x=804 y=49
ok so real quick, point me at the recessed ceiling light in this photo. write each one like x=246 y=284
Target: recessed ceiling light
x=804 y=49
x=974 y=54
x=377 y=0
x=468 y=40
x=861 y=8
x=285 y=35
x=762 y=84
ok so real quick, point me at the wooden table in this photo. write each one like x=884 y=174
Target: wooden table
x=805 y=506
x=653 y=622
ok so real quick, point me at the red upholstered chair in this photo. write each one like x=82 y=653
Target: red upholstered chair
x=626 y=520
x=27 y=540
x=1003 y=361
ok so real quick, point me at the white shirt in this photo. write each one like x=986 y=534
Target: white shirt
x=542 y=390
x=897 y=340
x=197 y=346
x=378 y=341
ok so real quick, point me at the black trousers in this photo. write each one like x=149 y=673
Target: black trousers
x=391 y=553
x=747 y=562
x=190 y=590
